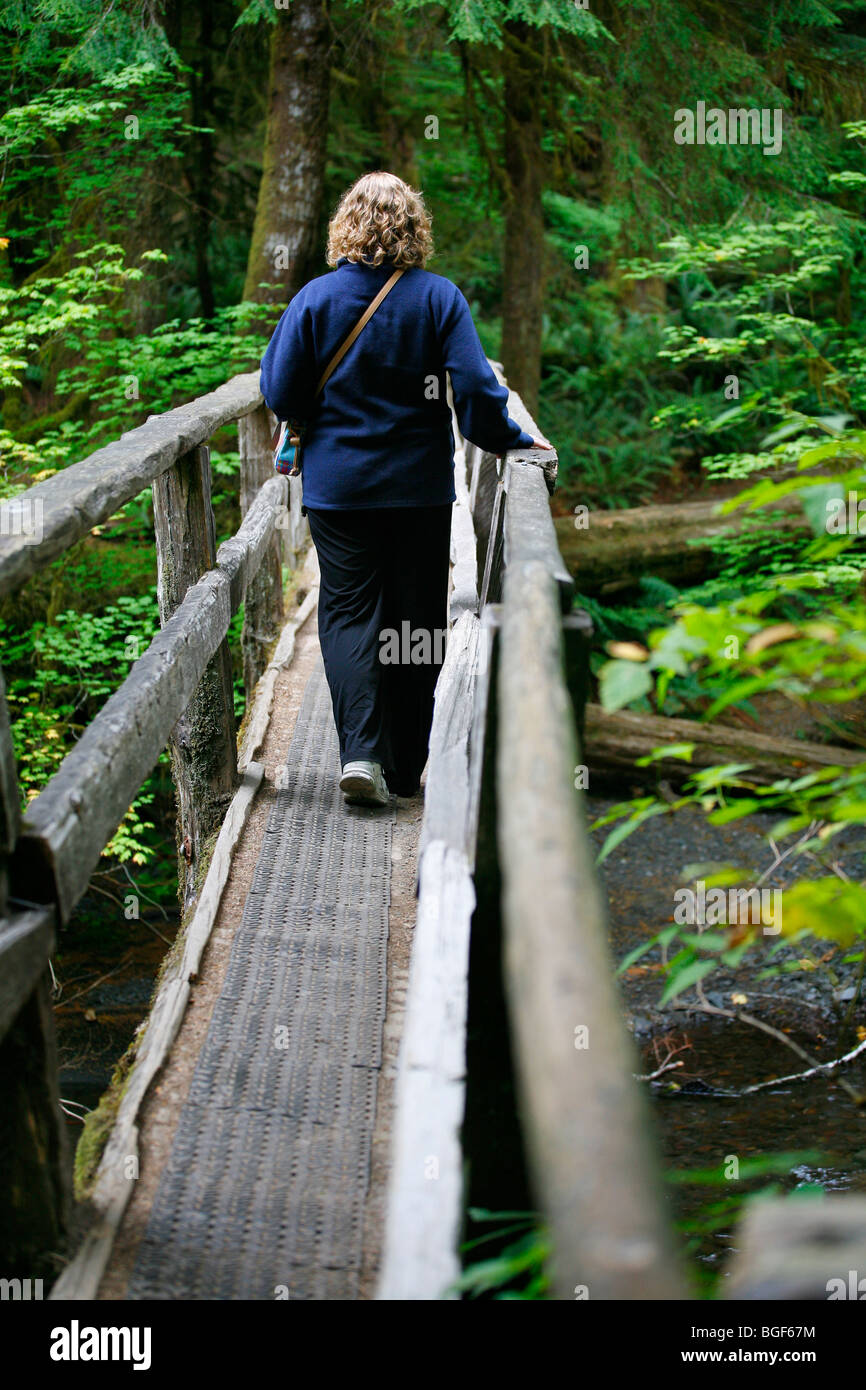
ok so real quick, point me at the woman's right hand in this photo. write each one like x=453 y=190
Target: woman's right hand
x=536 y=444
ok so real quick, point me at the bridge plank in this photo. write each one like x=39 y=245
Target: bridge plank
x=240 y=556
x=447 y=788
x=67 y=826
x=480 y=837
x=256 y=721
x=263 y=605
x=420 y=1258
x=10 y=802
x=270 y=1161
x=298 y=532
x=66 y=506
x=545 y=459
x=491 y=583
x=422 y=1230
x=464 y=567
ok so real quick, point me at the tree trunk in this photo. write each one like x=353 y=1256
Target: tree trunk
x=678 y=543
x=523 y=287
x=201 y=80
x=286 y=227
x=614 y=740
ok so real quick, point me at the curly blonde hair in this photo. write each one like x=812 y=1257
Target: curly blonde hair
x=381 y=216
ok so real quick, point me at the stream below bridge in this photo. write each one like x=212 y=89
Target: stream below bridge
x=700 y=1127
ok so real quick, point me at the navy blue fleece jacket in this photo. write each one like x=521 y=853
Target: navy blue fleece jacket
x=379 y=435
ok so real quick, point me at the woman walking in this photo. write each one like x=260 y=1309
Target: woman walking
x=377 y=464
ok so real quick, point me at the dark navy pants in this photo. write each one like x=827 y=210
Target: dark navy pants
x=384 y=572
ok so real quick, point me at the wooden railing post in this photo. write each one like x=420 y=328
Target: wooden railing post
x=35 y=1189
x=263 y=604
x=484 y=487
x=10 y=805
x=491 y=582
x=203 y=744
x=577 y=634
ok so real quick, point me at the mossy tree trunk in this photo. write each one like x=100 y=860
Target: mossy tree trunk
x=289 y=204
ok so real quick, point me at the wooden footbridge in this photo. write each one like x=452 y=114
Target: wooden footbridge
x=266 y=1188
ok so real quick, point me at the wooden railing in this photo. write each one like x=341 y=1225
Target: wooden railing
x=179 y=692
x=505 y=856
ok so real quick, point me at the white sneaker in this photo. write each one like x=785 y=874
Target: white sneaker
x=363 y=783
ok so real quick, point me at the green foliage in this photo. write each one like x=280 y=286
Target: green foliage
x=103 y=167
x=518 y=1269
x=630 y=623
x=718 y=1214
x=484 y=21
x=71 y=667
x=780 y=617
x=757 y=308
x=69 y=308
x=83 y=37
x=113 y=245
x=121 y=377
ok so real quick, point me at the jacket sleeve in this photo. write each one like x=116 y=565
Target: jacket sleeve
x=480 y=401
x=289 y=363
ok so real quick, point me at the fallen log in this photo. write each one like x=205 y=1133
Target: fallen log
x=614 y=740
x=609 y=551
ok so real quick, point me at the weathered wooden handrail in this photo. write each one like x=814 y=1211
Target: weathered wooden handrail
x=584 y=1127
x=583 y=1119
x=67 y=826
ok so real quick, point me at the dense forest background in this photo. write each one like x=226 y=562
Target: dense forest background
x=168 y=170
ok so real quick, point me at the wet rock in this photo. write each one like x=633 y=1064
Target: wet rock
x=643 y=1026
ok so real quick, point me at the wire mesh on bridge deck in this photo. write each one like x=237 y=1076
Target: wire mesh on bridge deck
x=269 y=1168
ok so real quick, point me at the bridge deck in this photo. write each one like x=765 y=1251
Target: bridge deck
x=263 y=1136
x=267 y=1178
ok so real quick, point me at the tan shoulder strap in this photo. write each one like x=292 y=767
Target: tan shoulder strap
x=365 y=318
